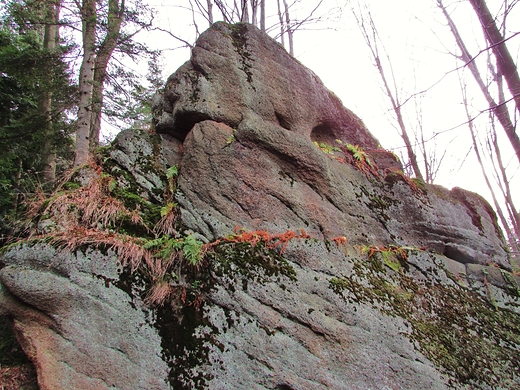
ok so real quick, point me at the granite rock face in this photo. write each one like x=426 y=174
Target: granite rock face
x=388 y=283
x=248 y=115
x=80 y=331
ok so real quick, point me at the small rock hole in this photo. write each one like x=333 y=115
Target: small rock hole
x=323 y=133
x=282 y=121
x=283 y=387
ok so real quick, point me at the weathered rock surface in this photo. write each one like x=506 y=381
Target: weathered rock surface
x=249 y=114
x=400 y=286
x=80 y=331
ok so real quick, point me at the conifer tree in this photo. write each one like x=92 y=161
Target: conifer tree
x=35 y=93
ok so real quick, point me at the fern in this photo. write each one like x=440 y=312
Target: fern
x=192 y=249
x=164 y=246
x=168 y=209
x=359 y=154
x=172 y=172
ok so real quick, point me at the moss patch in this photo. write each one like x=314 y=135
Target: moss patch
x=454 y=327
x=250 y=263
x=239 y=39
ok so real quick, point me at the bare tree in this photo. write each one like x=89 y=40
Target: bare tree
x=372 y=39
x=254 y=11
x=262 y=15
x=210 y=12
x=282 y=23
x=289 y=28
x=505 y=62
x=244 y=12
x=432 y=157
x=500 y=110
x=511 y=226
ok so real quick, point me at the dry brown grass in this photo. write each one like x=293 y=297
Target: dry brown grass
x=18 y=378
x=91 y=216
x=160 y=291
x=166 y=224
x=271 y=241
x=91 y=205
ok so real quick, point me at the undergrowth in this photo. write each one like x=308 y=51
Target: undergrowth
x=146 y=237
x=97 y=215
x=357 y=156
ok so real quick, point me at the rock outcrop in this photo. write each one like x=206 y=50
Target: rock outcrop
x=249 y=114
x=325 y=266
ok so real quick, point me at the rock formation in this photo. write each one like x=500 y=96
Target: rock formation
x=324 y=266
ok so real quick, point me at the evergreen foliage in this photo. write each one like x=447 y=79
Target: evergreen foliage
x=27 y=71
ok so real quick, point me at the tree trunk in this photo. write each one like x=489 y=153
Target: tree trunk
x=116 y=10
x=289 y=29
x=254 y=12
x=282 y=28
x=510 y=234
x=86 y=81
x=244 y=16
x=371 y=41
x=505 y=62
x=210 y=12
x=50 y=40
x=262 y=15
x=499 y=110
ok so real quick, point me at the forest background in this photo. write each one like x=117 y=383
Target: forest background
x=436 y=82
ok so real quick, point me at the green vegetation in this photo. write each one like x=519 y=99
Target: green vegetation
x=238 y=36
x=327 y=149
x=456 y=328
x=25 y=133
x=352 y=154
x=243 y=262
x=393 y=256
x=359 y=154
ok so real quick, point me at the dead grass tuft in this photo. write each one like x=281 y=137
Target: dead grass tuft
x=271 y=241
x=18 y=377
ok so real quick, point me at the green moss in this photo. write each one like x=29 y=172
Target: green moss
x=127 y=190
x=419 y=183
x=512 y=286
x=376 y=201
x=239 y=39
x=71 y=186
x=327 y=149
x=195 y=90
x=184 y=348
x=456 y=328
x=244 y=262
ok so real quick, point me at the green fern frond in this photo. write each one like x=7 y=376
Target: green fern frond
x=172 y=172
x=192 y=249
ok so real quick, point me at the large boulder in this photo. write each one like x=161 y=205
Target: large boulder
x=364 y=278
x=249 y=115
